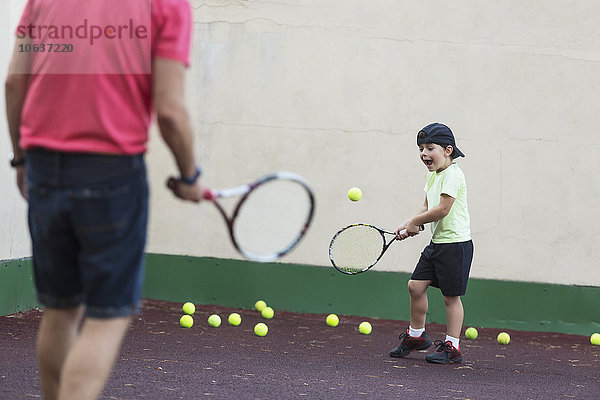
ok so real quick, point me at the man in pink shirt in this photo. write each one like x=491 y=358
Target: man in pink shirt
x=84 y=80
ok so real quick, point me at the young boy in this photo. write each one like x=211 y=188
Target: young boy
x=445 y=263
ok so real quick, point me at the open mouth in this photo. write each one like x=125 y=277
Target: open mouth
x=428 y=163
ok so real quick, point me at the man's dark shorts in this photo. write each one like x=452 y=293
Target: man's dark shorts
x=447 y=266
x=87 y=217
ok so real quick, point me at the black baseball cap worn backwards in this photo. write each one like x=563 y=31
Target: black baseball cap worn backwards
x=439 y=134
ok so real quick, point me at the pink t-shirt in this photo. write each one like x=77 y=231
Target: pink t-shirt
x=90 y=88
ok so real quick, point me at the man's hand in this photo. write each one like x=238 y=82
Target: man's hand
x=184 y=191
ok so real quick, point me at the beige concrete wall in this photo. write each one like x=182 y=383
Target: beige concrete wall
x=336 y=91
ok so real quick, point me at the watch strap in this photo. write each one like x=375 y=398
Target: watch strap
x=192 y=180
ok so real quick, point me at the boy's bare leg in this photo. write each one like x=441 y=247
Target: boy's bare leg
x=57 y=333
x=92 y=357
x=418 y=302
x=454 y=315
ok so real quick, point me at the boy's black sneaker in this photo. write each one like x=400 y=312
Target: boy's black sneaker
x=410 y=343
x=444 y=354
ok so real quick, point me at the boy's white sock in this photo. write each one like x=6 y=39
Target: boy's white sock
x=455 y=341
x=415 y=332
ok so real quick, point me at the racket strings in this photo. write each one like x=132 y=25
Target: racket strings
x=272 y=218
x=356 y=248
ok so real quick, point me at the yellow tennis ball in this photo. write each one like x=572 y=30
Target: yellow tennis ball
x=234 y=319
x=365 y=328
x=186 y=321
x=260 y=305
x=503 y=338
x=332 y=320
x=595 y=339
x=214 y=321
x=471 y=333
x=260 y=329
x=267 y=313
x=189 y=308
x=354 y=194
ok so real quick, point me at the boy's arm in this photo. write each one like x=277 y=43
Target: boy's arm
x=426 y=216
x=435 y=214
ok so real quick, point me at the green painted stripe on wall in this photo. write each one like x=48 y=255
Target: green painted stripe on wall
x=300 y=288
x=488 y=303
x=16 y=286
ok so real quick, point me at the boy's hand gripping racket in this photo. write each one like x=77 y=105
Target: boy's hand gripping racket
x=357 y=247
x=271 y=216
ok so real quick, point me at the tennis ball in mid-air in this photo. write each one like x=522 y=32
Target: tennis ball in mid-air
x=234 y=319
x=354 y=194
x=332 y=320
x=365 y=328
x=186 y=321
x=260 y=329
x=595 y=339
x=214 y=320
x=503 y=338
x=267 y=313
x=189 y=308
x=471 y=333
x=260 y=305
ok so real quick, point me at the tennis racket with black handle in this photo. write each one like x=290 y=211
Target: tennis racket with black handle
x=270 y=217
x=358 y=247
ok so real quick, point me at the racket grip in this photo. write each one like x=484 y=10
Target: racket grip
x=208 y=194
x=403 y=231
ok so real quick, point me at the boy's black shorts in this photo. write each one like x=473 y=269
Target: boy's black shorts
x=446 y=265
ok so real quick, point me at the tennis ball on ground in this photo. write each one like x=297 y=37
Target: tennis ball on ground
x=471 y=333
x=260 y=329
x=354 y=194
x=260 y=305
x=267 y=313
x=332 y=320
x=189 y=308
x=186 y=321
x=503 y=338
x=595 y=339
x=365 y=328
x=234 y=319
x=214 y=320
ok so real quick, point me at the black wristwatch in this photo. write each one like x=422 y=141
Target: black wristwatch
x=192 y=180
x=15 y=162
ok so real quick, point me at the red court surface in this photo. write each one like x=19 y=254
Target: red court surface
x=303 y=358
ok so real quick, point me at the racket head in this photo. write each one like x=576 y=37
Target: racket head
x=272 y=216
x=356 y=248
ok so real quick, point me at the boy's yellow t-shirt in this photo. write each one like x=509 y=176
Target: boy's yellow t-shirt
x=456 y=226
